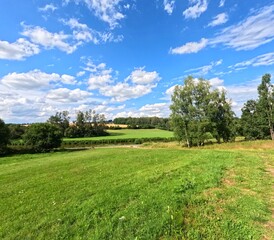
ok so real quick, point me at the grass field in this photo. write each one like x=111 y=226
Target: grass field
x=128 y=193
x=129 y=133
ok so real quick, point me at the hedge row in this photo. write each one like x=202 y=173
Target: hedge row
x=80 y=143
x=91 y=142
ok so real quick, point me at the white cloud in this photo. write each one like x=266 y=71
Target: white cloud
x=48 y=7
x=34 y=79
x=139 y=76
x=107 y=10
x=195 y=10
x=222 y=3
x=190 y=47
x=201 y=71
x=99 y=81
x=169 y=6
x=218 y=20
x=137 y=84
x=81 y=32
x=100 y=76
x=252 y=32
x=47 y=39
x=18 y=50
x=67 y=95
x=124 y=91
x=81 y=73
x=261 y=60
x=216 y=82
x=156 y=109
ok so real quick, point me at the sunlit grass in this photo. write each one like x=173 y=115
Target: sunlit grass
x=129 y=133
x=136 y=194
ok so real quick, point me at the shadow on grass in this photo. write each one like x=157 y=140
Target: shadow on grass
x=116 y=134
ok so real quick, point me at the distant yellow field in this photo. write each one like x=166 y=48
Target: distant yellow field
x=116 y=125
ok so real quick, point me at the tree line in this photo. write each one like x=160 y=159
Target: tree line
x=42 y=137
x=200 y=113
x=144 y=122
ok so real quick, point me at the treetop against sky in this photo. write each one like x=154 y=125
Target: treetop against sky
x=123 y=58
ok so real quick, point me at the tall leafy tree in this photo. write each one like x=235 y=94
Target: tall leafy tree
x=198 y=113
x=60 y=119
x=252 y=128
x=266 y=103
x=188 y=116
x=258 y=116
x=221 y=117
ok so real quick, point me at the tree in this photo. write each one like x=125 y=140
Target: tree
x=42 y=137
x=198 y=113
x=266 y=103
x=16 y=131
x=188 y=116
x=252 y=129
x=257 y=116
x=4 y=136
x=60 y=119
x=221 y=117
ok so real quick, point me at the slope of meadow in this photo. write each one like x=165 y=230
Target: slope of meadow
x=126 y=193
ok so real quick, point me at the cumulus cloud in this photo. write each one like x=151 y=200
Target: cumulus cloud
x=137 y=84
x=216 y=82
x=67 y=95
x=169 y=6
x=18 y=50
x=218 y=20
x=194 y=11
x=140 y=76
x=41 y=36
x=34 y=79
x=190 y=47
x=48 y=7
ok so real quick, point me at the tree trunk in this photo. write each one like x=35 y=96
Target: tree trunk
x=272 y=133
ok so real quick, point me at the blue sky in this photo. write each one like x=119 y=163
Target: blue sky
x=123 y=58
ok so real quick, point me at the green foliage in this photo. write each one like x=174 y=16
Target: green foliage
x=135 y=194
x=16 y=131
x=4 y=136
x=257 y=116
x=42 y=137
x=144 y=122
x=60 y=119
x=198 y=112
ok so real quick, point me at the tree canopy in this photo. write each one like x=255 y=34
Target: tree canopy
x=258 y=115
x=4 y=136
x=42 y=137
x=199 y=113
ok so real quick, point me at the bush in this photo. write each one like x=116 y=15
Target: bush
x=42 y=137
x=4 y=137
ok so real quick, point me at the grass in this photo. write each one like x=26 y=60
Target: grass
x=127 y=193
x=129 y=133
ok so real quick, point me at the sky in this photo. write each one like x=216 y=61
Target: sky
x=123 y=58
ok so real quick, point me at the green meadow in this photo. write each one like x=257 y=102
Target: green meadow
x=129 y=133
x=138 y=193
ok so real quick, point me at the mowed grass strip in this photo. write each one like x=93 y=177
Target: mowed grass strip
x=129 y=133
x=135 y=194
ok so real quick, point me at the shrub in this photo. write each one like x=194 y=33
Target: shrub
x=4 y=136
x=42 y=137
